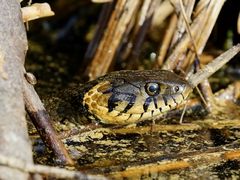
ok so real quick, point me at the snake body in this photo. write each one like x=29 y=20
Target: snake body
x=125 y=97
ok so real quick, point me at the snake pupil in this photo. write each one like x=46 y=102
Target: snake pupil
x=176 y=88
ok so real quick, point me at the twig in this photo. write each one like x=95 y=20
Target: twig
x=207 y=95
x=238 y=24
x=41 y=120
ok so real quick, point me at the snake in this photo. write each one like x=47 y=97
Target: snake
x=130 y=96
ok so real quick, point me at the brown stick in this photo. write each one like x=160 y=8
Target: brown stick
x=41 y=120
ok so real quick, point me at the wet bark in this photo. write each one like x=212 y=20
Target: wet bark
x=14 y=140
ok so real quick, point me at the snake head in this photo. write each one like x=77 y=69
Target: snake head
x=126 y=97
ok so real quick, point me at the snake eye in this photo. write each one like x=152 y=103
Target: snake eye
x=176 y=89
x=152 y=89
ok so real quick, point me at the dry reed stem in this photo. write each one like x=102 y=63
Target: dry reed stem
x=201 y=6
x=164 y=10
x=206 y=26
x=189 y=4
x=166 y=41
x=203 y=22
x=215 y=8
x=121 y=17
x=138 y=25
x=101 y=25
x=199 y=40
x=180 y=48
x=141 y=28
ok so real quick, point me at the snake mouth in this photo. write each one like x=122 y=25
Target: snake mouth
x=110 y=106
